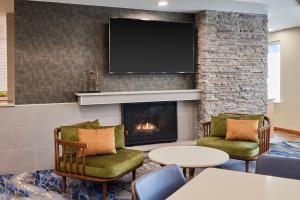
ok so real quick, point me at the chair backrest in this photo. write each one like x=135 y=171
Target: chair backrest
x=158 y=185
x=278 y=166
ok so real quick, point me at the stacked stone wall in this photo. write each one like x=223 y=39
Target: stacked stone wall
x=232 y=63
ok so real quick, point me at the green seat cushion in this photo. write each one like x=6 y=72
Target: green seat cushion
x=219 y=123
x=119 y=135
x=242 y=149
x=109 y=166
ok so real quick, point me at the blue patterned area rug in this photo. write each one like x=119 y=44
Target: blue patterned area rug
x=285 y=149
x=46 y=185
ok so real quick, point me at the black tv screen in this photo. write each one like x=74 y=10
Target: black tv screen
x=141 y=46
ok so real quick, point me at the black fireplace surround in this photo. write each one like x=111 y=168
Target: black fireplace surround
x=149 y=123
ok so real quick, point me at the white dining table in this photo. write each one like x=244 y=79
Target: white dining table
x=217 y=184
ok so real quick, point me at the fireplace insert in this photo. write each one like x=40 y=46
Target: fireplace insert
x=149 y=123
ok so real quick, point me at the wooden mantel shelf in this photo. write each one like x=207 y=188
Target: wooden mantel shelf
x=137 y=96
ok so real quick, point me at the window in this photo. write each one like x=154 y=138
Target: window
x=7 y=70
x=3 y=59
x=274 y=71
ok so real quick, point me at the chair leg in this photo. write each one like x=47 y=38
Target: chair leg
x=191 y=173
x=184 y=172
x=63 y=184
x=247 y=165
x=133 y=195
x=104 y=191
x=133 y=175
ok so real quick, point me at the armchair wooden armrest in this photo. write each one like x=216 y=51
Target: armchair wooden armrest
x=206 y=127
x=73 y=144
x=67 y=156
x=264 y=139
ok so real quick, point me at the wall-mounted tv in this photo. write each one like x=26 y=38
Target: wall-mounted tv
x=142 y=46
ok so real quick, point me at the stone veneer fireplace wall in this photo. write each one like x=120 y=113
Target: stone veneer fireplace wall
x=232 y=63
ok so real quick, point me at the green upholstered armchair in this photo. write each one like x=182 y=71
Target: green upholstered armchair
x=70 y=161
x=240 y=150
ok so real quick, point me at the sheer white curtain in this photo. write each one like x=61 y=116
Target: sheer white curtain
x=274 y=71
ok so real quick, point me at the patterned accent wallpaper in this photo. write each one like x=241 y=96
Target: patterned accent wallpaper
x=56 y=44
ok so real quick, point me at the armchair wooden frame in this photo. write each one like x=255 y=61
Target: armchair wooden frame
x=263 y=135
x=79 y=159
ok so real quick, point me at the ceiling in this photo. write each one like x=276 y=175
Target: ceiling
x=282 y=13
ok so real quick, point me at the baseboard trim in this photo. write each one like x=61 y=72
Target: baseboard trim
x=286 y=130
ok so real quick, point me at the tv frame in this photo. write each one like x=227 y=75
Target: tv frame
x=133 y=19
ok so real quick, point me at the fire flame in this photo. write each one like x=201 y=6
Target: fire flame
x=146 y=126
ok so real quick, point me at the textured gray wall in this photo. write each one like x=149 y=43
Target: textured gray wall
x=57 y=43
x=232 y=63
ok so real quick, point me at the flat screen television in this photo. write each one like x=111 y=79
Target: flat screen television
x=142 y=46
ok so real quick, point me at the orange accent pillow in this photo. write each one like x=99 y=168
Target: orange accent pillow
x=99 y=141
x=242 y=130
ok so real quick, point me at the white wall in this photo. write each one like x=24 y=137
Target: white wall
x=286 y=113
x=26 y=131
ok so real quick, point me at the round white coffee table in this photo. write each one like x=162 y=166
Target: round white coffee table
x=189 y=157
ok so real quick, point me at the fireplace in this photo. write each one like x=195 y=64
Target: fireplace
x=149 y=123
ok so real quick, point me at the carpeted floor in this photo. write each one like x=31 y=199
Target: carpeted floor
x=46 y=185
